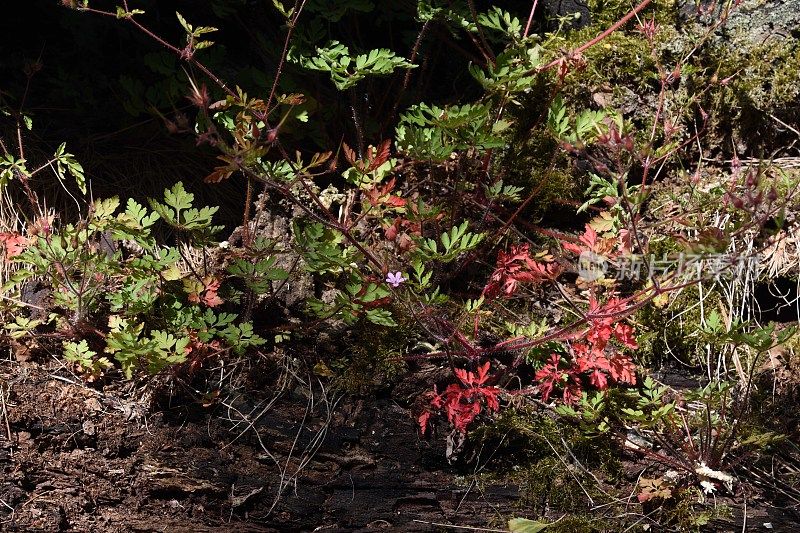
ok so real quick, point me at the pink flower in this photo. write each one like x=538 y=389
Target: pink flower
x=395 y=279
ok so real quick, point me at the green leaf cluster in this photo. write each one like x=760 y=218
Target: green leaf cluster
x=323 y=248
x=177 y=211
x=359 y=299
x=432 y=133
x=108 y=272
x=347 y=70
x=194 y=34
x=453 y=243
x=259 y=270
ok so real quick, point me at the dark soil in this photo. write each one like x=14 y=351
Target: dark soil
x=82 y=459
x=75 y=457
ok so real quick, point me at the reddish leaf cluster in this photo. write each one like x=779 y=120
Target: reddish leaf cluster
x=590 y=241
x=602 y=318
x=197 y=351
x=403 y=229
x=462 y=402
x=13 y=244
x=381 y=195
x=595 y=360
x=373 y=159
x=550 y=376
x=515 y=267
x=648 y=28
x=615 y=140
x=207 y=293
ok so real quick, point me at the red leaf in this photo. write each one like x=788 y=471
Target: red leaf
x=210 y=296
x=623 y=369
x=549 y=376
x=391 y=232
x=599 y=335
x=589 y=238
x=219 y=174
x=514 y=267
x=395 y=201
x=349 y=154
x=570 y=247
x=624 y=334
x=625 y=241
x=13 y=243
x=380 y=195
x=463 y=402
x=598 y=379
x=490 y=395
x=423 y=421
x=381 y=155
x=463 y=375
x=483 y=370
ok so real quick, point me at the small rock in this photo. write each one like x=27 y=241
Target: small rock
x=89 y=428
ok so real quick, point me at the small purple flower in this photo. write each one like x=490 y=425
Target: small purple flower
x=395 y=279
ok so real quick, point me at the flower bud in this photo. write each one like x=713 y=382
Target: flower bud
x=772 y=194
x=752 y=179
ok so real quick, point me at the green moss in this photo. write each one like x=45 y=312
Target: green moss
x=768 y=75
x=673 y=331
x=539 y=453
x=534 y=159
x=529 y=166
x=557 y=470
x=623 y=59
x=618 y=73
x=688 y=511
x=607 y=12
x=581 y=523
x=736 y=81
x=373 y=359
x=739 y=84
